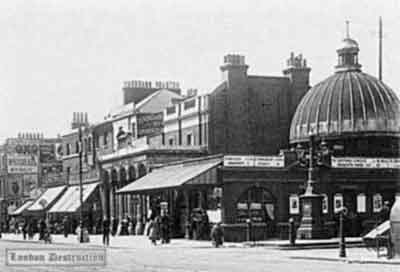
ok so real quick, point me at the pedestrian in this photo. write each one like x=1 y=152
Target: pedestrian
x=42 y=229
x=154 y=230
x=106 y=231
x=217 y=235
x=24 y=229
x=65 y=226
x=164 y=228
x=30 y=231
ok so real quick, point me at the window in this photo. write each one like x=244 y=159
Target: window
x=171 y=141
x=361 y=203
x=133 y=130
x=377 y=203
x=294 y=204
x=189 y=140
x=171 y=110
x=256 y=204
x=105 y=138
x=89 y=146
x=189 y=104
x=338 y=202
x=85 y=141
x=67 y=149
x=325 y=204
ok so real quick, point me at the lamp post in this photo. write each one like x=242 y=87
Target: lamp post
x=342 y=241
x=311 y=225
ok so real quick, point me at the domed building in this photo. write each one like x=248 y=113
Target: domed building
x=354 y=121
x=350 y=109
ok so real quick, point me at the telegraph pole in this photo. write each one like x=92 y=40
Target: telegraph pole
x=80 y=183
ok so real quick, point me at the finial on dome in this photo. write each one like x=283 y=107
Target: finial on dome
x=347 y=29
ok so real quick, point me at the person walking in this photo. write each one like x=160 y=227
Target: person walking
x=42 y=229
x=217 y=235
x=164 y=228
x=65 y=223
x=30 y=231
x=24 y=229
x=106 y=231
x=154 y=230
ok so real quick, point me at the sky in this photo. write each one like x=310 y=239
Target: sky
x=59 y=57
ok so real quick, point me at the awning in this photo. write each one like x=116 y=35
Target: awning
x=22 y=208
x=70 y=201
x=46 y=199
x=188 y=173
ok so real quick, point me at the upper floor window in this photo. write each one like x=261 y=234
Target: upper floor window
x=189 y=104
x=89 y=144
x=67 y=149
x=171 y=141
x=189 y=139
x=105 y=138
x=77 y=147
x=171 y=110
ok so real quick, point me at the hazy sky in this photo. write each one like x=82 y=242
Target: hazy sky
x=57 y=57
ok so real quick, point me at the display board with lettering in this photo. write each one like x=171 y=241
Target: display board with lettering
x=360 y=162
x=22 y=164
x=254 y=161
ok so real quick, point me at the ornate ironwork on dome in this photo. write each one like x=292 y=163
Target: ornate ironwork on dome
x=348 y=103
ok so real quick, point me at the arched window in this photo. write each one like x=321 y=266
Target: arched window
x=361 y=203
x=256 y=204
x=294 y=204
x=377 y=203
x=338 y=202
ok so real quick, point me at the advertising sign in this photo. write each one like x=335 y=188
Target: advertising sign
x=21 y=164
x=149 y=124
x=15 y=185
x=254 y=161
x=47 y=153
x=359 y=162
x=30 y=182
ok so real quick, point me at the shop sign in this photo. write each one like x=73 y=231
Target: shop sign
x=254 y=161
x=21 y=164
x=47 y=153
x=359 y=162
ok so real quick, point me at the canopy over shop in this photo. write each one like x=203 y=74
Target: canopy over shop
x=184 y=187
x=22 y=208
x=45 y=201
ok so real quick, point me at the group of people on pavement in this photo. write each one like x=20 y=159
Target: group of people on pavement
x=158 y=228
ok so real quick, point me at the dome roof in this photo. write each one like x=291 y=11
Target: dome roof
x=347 y=103
x=348 y=43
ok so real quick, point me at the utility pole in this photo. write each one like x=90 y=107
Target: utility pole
x=80 y=183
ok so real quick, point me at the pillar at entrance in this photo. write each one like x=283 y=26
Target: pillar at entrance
x=395 y=226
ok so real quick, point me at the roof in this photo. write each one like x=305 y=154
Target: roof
x=47 y=198
x=193 y=172
x=349 y=102
x=70 y=201
x=22 y=208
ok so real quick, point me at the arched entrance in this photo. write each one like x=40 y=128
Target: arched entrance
x=258 y=205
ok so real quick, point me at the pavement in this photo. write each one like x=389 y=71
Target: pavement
x=136 y=253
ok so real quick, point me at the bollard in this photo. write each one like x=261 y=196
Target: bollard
x=292 y=232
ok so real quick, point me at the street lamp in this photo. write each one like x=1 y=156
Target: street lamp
x=311 y=203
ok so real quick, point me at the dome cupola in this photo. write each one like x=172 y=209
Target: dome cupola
x=348 y=103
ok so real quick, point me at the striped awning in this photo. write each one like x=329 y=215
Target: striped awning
x=22 y=208
x=46 y=199
x=70 y=201
x=186 y=173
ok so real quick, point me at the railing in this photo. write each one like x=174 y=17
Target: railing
x=142 y=144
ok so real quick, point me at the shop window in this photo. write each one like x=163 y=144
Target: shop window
x=377 y=203
x=338 y=202
x=361 y=203
x=325 y=204
x=294 y=204
x=256 y=204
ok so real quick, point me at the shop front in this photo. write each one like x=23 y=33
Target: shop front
x=186 y=190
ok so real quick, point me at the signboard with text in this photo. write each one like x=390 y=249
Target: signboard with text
x=371 y=163
x=21 y=164
x=254 y=161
